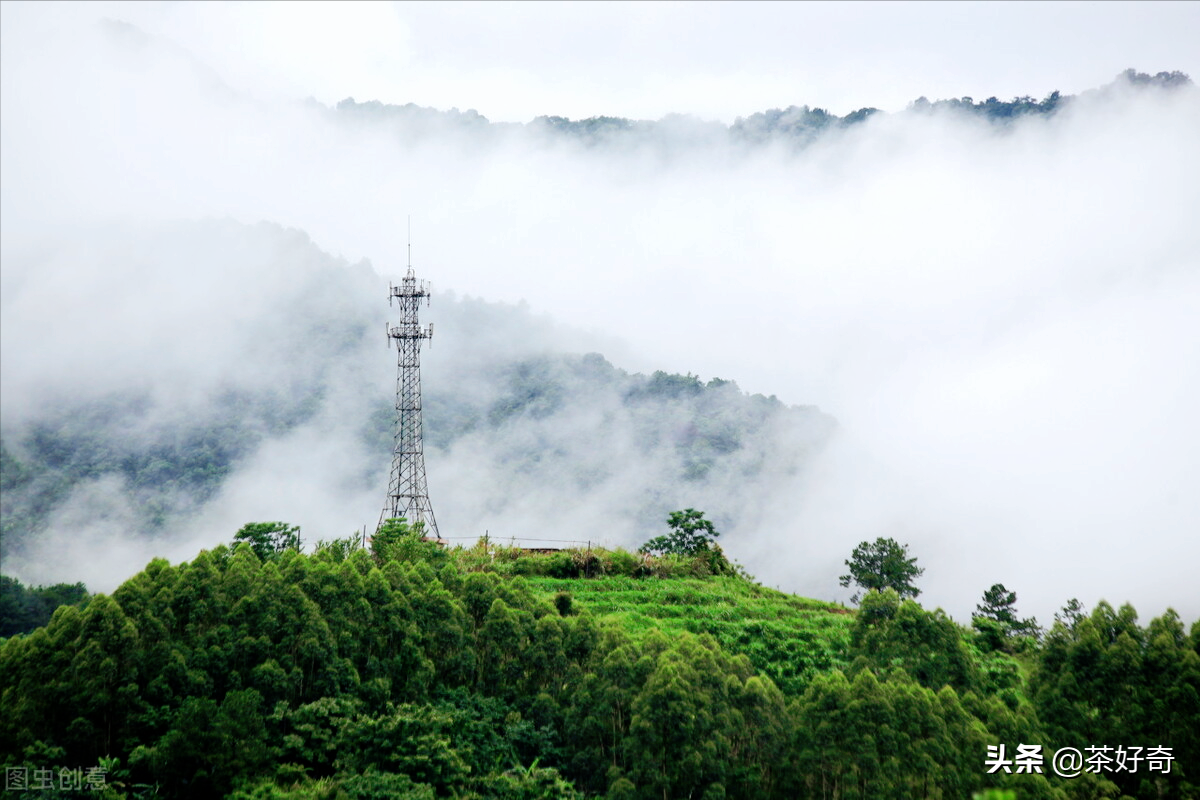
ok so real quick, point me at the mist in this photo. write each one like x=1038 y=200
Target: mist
x=1002 y=319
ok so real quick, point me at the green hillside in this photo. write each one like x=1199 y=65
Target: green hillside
x=788 y=638
x=408 y=670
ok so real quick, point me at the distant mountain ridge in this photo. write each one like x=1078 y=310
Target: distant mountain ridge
x=519 y=424
x=795 y=124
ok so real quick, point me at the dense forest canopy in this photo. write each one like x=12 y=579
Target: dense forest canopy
x=409 y=670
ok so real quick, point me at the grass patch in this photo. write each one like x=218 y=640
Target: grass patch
x=788 y=638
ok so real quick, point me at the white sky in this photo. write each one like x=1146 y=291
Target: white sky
x=716 y=60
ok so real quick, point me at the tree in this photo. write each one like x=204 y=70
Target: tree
x=690 y=533
x=269 y=539
x=881 y=565
x=397 y=540
x=24 y=608
x=1072 y=614
x=998 y=604
x=996 y=618
x=890 y=632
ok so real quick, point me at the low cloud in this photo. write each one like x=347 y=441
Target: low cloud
x=1002 y=319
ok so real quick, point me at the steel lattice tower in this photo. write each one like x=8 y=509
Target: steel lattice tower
x=408 y=489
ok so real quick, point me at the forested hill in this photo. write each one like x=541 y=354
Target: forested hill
x=407 y=670
x=211 y=424
x=794 y=125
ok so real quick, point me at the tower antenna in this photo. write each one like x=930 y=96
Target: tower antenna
x=408 y=488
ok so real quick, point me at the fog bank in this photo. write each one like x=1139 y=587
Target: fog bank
x=1001 y=319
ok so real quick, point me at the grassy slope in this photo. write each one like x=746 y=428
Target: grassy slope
x=786 y=637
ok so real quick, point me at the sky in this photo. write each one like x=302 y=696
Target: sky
x=1004 y=325
x=515 y=61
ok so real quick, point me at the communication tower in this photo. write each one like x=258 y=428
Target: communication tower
x=408 y=489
